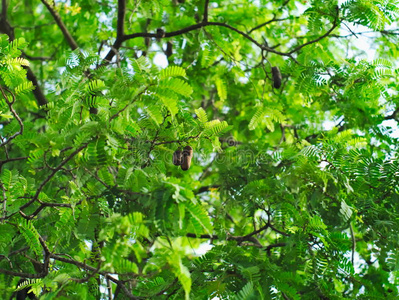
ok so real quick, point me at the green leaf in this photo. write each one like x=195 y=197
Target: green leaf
x=221 y=89
x=200 y=217
x=201 y=115
x=31 y=237
x=172 y=71
x=24 y=88
x=176 y=85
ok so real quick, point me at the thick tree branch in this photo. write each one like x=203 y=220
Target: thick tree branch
x=206 y=11
x=70 y=40
x=220 y=24
x=4 y=9
x=122 y=38
x=37 y=92
x=120 y=29
x=120 y=33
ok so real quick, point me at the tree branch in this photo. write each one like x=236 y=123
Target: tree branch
x=4 y=199
x=353 y=243
x=55 y=170
x=278 y=231
x=239 y=239
x=70 y=40
x=4 y=9
x=20 y=274
x=245 y=35
x=90 y=268
x=127 y=105
x=122 y=38
x=335 y=24
x=393 y=115
x=275 y=246
x=16 y=116
x=204 y=189
x=120 y=29
x=205 y=19
x=37 y=92
x=267 y=22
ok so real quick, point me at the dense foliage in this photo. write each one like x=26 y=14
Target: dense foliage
x=292 y=192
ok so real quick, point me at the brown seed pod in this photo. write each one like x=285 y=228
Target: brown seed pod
x=93 y=110
x=177 y=158
x=187 y=157
x=276 y=77
x=169 y=49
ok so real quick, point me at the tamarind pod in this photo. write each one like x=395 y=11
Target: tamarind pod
x=177 y=158
x=169 y=49
x=276 y=77
x=186 y=158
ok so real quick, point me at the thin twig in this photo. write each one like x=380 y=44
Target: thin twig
x=275 y=246
x=4 y=200
x=2 y=162
x=127 y=105
x=334 y=25
x=49 y=177
x=21 y=124
x=353 y=242
x=21 y=274
x=267 y=22
x=153 y=141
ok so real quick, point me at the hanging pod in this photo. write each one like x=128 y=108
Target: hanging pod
x=187 y=155
x=177 y=157
x=276 y=77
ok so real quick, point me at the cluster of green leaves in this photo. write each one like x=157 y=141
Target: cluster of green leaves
x=277 y=204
